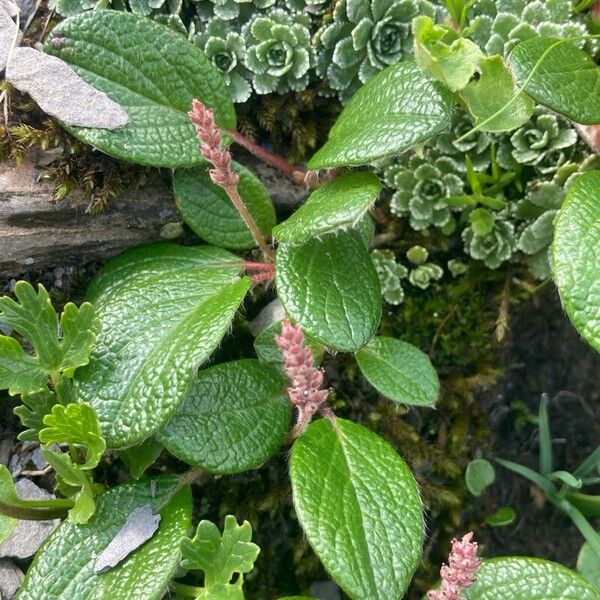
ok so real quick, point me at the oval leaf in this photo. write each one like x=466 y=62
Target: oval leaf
x=480 y=474
x=516 y=578
x=64 y=567
x=560 y=76
x=359 y=507
x=207 y=209
x=575 y=255
x=234 y=418
x=157 y=329
x=154 y=73
x=400 y=371
x=588 y=564
x=330 y=287
x=339 y=204
x=393 y=111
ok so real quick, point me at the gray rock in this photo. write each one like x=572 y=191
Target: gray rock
x=325 y=590
x=267 y=316
x=11 y=577
x=28 y=536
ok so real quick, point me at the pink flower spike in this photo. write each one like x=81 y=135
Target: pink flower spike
x=460 y=571
x=306 y=381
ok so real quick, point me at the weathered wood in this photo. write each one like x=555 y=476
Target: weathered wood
x=36 y=232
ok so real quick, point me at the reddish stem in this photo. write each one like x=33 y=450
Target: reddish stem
x=296 y=174
x=257 y=266
x=260 y=277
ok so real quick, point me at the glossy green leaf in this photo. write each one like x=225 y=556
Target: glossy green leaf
x=234 y=418
x=59 y=346
x=492 y=100
x=139 y=458
x=587 y=504
x=479 y=475
x=393 y=111
x=154 y=73
x=339 y=204
x=516 y=578
x=159 y=326
x=439 y=51
x=268 y=351
x=575 y=255
x=64 y=566
x=560 y=76
x=207 y=209
x=400 y=371
x=588 y=564
x=75 y=424
x=359 y=507
x=220 y=557
x=504 y=516
x=330 y=287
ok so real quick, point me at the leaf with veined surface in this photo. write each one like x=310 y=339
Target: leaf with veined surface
x=154 y=73
x=359 y=506
x=395 y=110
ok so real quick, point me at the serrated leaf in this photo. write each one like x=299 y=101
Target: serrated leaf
x=160 y=325
x=560 y=76
x=154 y=73
x=329 y=287
x=494 y=101
x=439 y=51
x=359 y=507
x=75 y=424
x=74 y=482
x=575 y=258
x=400 y=371
x=234 y=418
x=221 y=556
x=139 y=458
x=516 y=578
x=60 y=347
x=32 y=411
x=588 y=564
x=479 y=474
x=393 y=111
x=64 y=567
x=339 y=204
x=208 y=210
x=268 y=351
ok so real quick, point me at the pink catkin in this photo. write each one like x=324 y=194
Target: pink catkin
x=210 y=136
x=306 y=381
x=460 y=571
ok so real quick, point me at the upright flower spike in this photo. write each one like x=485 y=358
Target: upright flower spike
x=460 y=571
x=306 y=381
x=222 y=173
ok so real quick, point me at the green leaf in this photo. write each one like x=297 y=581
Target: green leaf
x=75 y=424
x=400 y=371
x=139 y=458
x=234 y=418
x=32 y=411
x=479 y=475
x=268 y=351
x=439 y=51
x=221 y=556
x=482 y=221
x=64 y=567
x=154 y=73
x=588 y=564
x=207 y=209
x=359 y=507
x=160 y=325
x=492 y=100
x=587 y=504
x=73 y=481
x=516 y=578
x=329 y=286
x=7 y=490
x=575 y=257
x=505 y=515
x=60 y=347
x=560 y=76
x=393 y=111
x=339 y=204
